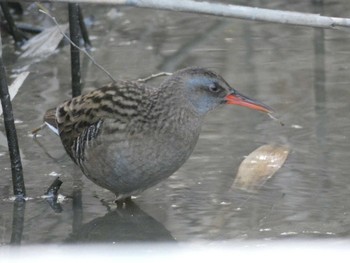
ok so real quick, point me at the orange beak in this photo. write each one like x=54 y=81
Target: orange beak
x=241 y=100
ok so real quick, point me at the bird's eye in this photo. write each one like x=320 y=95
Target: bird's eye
x=214 y=87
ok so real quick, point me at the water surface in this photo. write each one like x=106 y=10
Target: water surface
x=303 y=73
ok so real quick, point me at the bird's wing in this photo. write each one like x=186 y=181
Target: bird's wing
x=108 y=110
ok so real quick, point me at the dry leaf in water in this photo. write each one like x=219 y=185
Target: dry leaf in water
x=259 y=166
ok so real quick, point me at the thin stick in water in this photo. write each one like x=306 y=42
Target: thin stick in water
x=54 y=187
x=51 y=195
x=74 y=51
x=15 y=157
x=19 y=207
x=83 y=30
x=46 y=12
x=17 y=35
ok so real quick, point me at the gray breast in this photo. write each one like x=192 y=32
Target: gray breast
x=131 y=165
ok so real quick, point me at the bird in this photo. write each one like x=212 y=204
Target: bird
x=128 y=136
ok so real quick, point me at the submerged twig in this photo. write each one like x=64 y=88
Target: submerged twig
x=19 y=207
x=54 y=204
x=51 y=195
x=54 y=187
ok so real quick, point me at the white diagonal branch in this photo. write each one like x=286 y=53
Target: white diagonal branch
x=234 y=11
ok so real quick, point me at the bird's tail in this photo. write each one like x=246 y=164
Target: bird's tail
x=50 y=120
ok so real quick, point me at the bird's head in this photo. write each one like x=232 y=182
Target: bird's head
x=206 y=90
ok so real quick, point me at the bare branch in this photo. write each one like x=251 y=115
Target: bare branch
x=234 y=11
x=160 y=74
x=44 y=11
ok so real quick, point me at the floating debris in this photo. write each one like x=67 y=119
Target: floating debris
x=259 y=166
x=296 y=126
x=34 y=135
x=18 y=121
x=53 y=173
x=60 y=198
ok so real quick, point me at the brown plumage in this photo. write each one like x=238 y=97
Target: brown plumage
x=128 y=136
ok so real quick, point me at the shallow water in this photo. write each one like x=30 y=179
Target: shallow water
x=302 y=73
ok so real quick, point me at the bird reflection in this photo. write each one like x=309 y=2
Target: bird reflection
x=124 y=224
